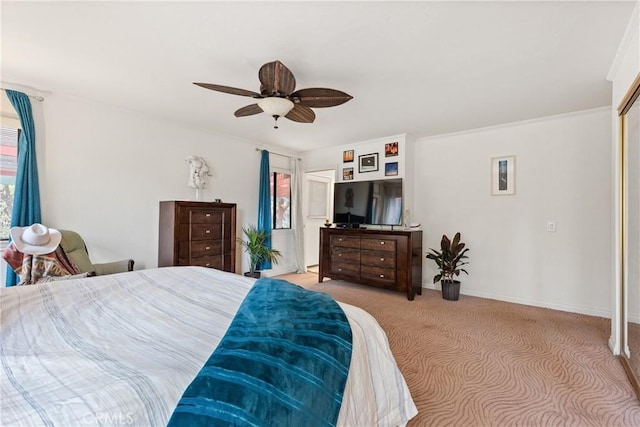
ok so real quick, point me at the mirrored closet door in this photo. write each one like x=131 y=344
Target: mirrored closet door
x=630 y=149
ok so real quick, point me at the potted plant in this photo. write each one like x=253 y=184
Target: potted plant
x=450 y=257
x=254 y=245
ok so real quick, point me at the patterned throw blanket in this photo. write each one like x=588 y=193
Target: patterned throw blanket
x=284 y=361
x=34 y=269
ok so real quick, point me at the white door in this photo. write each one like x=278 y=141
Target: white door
x=317 y=208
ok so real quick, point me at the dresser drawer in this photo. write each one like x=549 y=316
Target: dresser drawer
x=345 y=241
x=378 y=274
x=200 y=231
x=211 y=262
x=340 y=254
x=387 y=245
x=202 y=216
x=345 y=268
x=378 y=259
x=200 y=248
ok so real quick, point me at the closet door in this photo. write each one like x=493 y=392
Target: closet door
x=630 y=125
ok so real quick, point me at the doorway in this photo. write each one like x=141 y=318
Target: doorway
x=317 y=208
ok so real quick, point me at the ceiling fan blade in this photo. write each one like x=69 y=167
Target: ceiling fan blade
x=301 y=114
x=229 y=89
x=248 y=110
x=276 y=79
x=318 y=97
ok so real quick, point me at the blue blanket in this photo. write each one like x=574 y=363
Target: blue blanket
x=284 y=361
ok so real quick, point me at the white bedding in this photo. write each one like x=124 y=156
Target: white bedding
x=121 y=349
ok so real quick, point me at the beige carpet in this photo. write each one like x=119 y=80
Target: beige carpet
x=480 y=362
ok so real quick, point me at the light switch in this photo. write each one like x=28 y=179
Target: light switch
x=551 y=226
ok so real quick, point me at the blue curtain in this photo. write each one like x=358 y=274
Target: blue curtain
x=264 y=204
x=26 y=198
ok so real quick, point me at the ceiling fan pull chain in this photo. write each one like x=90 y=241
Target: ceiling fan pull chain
x=275 y=124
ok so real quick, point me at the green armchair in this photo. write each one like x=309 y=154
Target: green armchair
x=75 y=247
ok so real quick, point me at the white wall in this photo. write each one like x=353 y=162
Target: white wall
x=563 y=173
x=331 y=159
x=104 y=170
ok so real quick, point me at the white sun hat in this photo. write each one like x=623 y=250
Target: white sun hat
x=35 y=239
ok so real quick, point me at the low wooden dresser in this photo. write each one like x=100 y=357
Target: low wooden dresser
x=197 y=233
x=382 y=258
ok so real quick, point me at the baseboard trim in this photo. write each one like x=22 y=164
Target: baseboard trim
x=589 y=311
x=278 y=270
x=613 y=347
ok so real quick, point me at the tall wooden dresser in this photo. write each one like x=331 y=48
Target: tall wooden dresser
x=197 y=233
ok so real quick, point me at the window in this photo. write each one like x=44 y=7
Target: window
x=281 y=200
x=8 y=164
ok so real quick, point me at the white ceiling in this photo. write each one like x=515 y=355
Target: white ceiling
x=423 y=68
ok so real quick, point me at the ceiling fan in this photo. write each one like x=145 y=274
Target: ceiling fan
x=278 y=96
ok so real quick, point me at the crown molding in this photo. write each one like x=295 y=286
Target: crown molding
x=630 y=34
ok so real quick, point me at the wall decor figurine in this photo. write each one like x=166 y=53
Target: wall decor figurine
x=198 y=173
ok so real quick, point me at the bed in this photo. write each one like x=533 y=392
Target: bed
x=122 y=349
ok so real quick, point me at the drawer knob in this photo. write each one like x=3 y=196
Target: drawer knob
x=340 y=240
x=208 y=214
x=339 y=254
x=382 y=275
x=382 y=243
x=381 y=259
x=339 y=269
x=208 y=247
x=207 y=265
x=208 y=231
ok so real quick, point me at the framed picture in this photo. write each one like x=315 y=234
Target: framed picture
x=368 y=163
x=347 y=174
x=391 y=169
x=503 y=176
x=347 y=156
x=391 y=149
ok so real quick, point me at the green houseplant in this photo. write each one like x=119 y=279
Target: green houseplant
x=450 y=258
x=254 y=245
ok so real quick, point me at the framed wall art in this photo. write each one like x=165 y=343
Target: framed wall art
x=368 y=163
x=391 y=149
x=391 y=169
x=347 y=174
x=347 y=156
x=503 y=176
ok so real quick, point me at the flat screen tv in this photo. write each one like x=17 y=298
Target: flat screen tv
x=374 y=202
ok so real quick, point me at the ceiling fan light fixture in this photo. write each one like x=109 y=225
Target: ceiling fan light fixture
x=275 y=106
x=278 y=96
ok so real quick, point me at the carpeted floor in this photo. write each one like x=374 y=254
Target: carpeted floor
x=480 y=362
